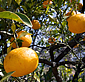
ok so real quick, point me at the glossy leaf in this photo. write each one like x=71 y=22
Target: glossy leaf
x=25 y=19
x=17 y=17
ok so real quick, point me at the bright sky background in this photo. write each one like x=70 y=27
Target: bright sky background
x=81 y=1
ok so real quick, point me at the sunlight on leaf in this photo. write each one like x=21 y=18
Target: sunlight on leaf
x=9 y=48
x=13 y=27
x=6 y=76
x=36 y=77
x=18 y=1
x=24 y=33
x=17 y=17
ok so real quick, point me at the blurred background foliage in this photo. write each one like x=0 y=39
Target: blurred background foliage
x=53 y=24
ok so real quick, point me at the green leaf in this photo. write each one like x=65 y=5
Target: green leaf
x=23 y=34
x=17 y=17
x=13 y=27
x=36 y=77
x=9 y=48
x=19 y=42
x=1 y=65
x=48 y=74
x=9 y=2
x=25 y=19
x=6 y=76
x=18 y=1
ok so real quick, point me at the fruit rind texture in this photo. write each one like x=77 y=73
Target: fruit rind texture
x=76 y=23
x=21 y=60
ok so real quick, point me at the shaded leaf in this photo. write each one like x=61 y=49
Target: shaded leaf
x=17 y=17
x=48 y=75
x=9 y=2
x=1 y=65
x=19 y=42
x=25 y=19
x=13 y=27
x=6 y=76
x=1 y=9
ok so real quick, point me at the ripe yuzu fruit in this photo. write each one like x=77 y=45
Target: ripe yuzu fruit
x=36 y=24
x=21 y=60
x=76 y=23
x=27 y=40
x=51 y=40
x=45 y=3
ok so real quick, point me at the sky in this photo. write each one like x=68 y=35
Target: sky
x=81 y=1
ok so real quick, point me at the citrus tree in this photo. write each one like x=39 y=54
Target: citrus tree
x=42 y=41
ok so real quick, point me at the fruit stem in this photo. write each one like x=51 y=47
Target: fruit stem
x=16 y=41
x=76 y=6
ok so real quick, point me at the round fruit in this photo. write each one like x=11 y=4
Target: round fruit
x=80 y=6
x=21 y=60
x=45 y=3
x=27 y=39
x=36 y=24
x=51 y=40
x=76 y=23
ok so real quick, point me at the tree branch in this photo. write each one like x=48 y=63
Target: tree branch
x=72 y=43
x=7 y=33
x=75 y=78
x=50 y=63
x=56 y=74
x=53 y=47
x=45 y=61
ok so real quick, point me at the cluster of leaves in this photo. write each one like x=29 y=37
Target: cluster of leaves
x=16 y=15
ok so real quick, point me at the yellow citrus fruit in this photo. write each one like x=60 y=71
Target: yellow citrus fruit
x=51 y=40
x=27 y=39
x=21 y=60
x=76 y=23
x=36 y=24
x=45 y=3
x=80 y=6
